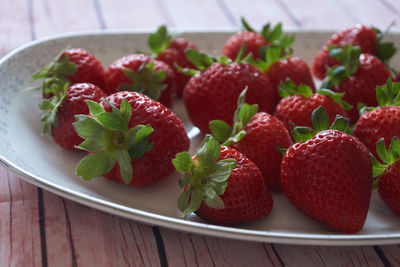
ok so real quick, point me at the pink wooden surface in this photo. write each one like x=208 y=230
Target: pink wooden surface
x=40 y=228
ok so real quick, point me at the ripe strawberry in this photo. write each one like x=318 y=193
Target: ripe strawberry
x=279 y=66
x=383 y=121
x=74 y=65
x=328 y=177
x=131 y=139
x=298 y=103
x=221 y=185
x=62 y=108
x=388 y=180
x=255 y=42
x=172 y=51
x=368 y=39
x=357 y=77
x=213 y=92
x=140 y=73
x=256 y=135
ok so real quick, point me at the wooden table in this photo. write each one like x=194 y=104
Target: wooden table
x=40 y=228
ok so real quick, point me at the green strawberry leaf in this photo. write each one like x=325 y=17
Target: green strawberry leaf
x=289 y=88
x=337 y=97
x=95 y=165
x=125 y=165
x=246 y=26
x=341 y=124
x=377 y=169
x=320 y=119
x=145 y=81
x=348 y=57
x=301 y=134
x=204 y=180
x=186 y=71
x=220 y=130
x=388 y=94
x=200 y=60
x=109 y=136
x=244 y=112
x=384 y=50
x=183 y=162
x=49 y=119
x=160 y=40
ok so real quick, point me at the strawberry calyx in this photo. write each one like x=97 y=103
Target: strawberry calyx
x=56 y=72
x=226 y=134
x=348 y=57
x=384 y=50
x=146 y=80
x=202 y=61
x=273 y=36
x=289 y=88
x=386 y=95
x=204 y=178
x=320 y=122
x=58 y=90
x=109 y=139
x=388 y=157
x=159 y=40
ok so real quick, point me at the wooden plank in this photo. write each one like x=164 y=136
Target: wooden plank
x=392 y=254
x=326 y=255
x=195 y=250
x=126 y=14
x=19 y=232
x=372 y=12
x=196 y=13
x=14 y=25
x=258 y=13
x=52 y=17
x=326 y=14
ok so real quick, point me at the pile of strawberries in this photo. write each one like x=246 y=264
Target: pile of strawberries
x=266 y=125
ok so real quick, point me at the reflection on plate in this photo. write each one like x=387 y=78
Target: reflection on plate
x=39 y=161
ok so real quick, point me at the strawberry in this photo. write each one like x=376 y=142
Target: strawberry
x=74 y=65
x=357 y=77
x=327 y=174
x=140 y=73
x=298 y=103
x=172 y=51
x=368 y=39
x=255 y=135
x=131 y=139
x=382 y=121
x=255 y=42
x=388 y=173
x=213 y=92
x=279 y=66
x=221 y=185
x=61 y=110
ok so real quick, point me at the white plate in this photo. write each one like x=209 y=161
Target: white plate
x=41 y=162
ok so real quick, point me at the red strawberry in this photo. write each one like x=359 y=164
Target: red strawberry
x=329 y=177
x=172 y=52
x=256 y=135
x=357 y=77
x=140 y=73
x=368 y=39
x=298 y=103
x=389 y=173
x=131 y=138
x=74 y=65
x=213 y=92
x=221 y=185
x=383 y=121
x=62 y=108
x=255 y=42
x=279 y=66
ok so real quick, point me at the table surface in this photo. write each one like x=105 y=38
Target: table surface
x=40 y=228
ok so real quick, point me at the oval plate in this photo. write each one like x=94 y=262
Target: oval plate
x=38 y=160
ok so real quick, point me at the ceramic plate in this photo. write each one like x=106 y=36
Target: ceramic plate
x=41 y=162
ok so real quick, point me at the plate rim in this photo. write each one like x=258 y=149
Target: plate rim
x=176 y=223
